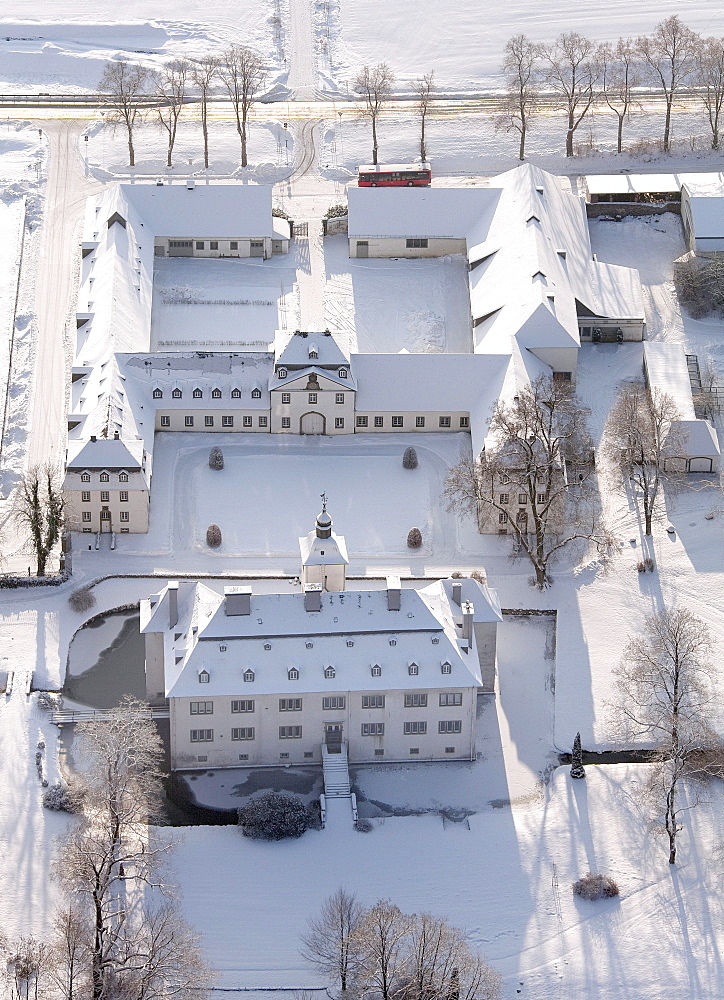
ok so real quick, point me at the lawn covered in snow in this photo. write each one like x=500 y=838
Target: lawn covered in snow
x=222 y=304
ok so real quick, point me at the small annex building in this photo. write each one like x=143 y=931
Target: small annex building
x=263 y=679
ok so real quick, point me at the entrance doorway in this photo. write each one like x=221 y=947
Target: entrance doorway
x=333 y=736
x=312 y=423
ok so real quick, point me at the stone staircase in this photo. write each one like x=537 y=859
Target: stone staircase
x=335 y=766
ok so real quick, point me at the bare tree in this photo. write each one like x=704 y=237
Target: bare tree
x=542 y=458
x=572 y=73
x=522 y=88
x=709 y=78
x=28 y=962
x=37 y=507
x=204 y=73
x=330 y=943
x=665 y=692
x=70 y=953
x=375 y=84
x=424 y=88
x=126 y=83
x=442 y=964
x=242 y=71
x=640 y=445
x=170 y=85
x=619 y=76
x=380 y=940
x=669 y=54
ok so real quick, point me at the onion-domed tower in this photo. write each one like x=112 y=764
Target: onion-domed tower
x=324 y=554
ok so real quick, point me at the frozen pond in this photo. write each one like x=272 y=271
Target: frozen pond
x=106 y=661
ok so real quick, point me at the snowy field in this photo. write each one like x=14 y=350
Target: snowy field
x=465 y=46
x=422 y=306
x=223 y=304
x=12 y=220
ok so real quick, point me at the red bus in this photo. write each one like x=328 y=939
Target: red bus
x=394 y=175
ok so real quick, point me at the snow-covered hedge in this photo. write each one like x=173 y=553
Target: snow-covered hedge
x=274 y=816
x=62 y=798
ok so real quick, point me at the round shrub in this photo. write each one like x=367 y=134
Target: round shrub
x=216 y=458
x=82 y=599
x=409 y=459
x=213 y=536
x=274 y=816
x=595 y=887
x=364 y=825
x=479 y=575
x=414 y=538
x=62 y=798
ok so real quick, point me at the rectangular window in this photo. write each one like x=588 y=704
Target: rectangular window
x=123 y=496
x=85 y=496
x=246 y=421
x=245 y=733
x=105 y=496
x=233 y=245
x=398 y=422
x=415 y=728
x=202 y=707
x=263 y=421
x=504 y=497
x=339 y=423
x=444 y=421
x=419 y=421
x=208 y=421
x=464 y=421
x=199 y=244
x=334 y=702
x=105 y=514
x=290 y=732
x=415 y=701
x=562 y=376
x=124 y=531
x=542 y=498
x=450 y=726
x=124 y=515
x=379 y=421
x=362 y=421
x=312 y=397
x=286 y=423
x=339 y=397
x=86 y=515
x=243 y=705
x=502 y=517
x=373 y=701
x=227 y=421
x=86 y=529
x=379 y=753
x=504 y=478
x=165 y=421
x=286 y=397
x=522 y=498
x=188 y=421
x=414 y=749
x=290 y=704
x=214 y=245
x=373 y=729
x=449 y=749
x=452 y=698
x=202 y=735
x=416 y=244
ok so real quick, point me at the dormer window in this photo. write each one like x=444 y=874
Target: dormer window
x=342 y=373
x=393 y=642
x=309 y=645
x=122 y=477
x=222 y=648
x=446 y=667
x=248 y=676
x=236 y=394
x=413 y=669
x=313 y=354
x=293 y=674
x=104 y=477
x=176 y=394
x=204 y=677
x=267 y=645
x=216 y=393
x=85 y=477
x=330 y=673
x=157 y=394
x=282 y=372
x=435 y=640
x=197 y=394
x=255 y=393
x=350 y=642
x=376 y=670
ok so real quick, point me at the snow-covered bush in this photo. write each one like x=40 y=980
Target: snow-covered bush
x=595 y=887
x=457 y=575
x=363 y=825
x=336 y=212
x=213 y=536
x=48 y=701
x=409 y=459
x=62 y=798
x=479 y=575
x=279 y=213
x=82 y=599
x=414 y=538
x=216 y=458
x=274 y=816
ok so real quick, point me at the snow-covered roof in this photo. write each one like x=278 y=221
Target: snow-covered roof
x=223 y=210
x=317 y=551
x=633 y=183
x=420 y=212
x=105 y=454
x=666 y=370
x=697 y=438
x=300 y=349
x=707 y=216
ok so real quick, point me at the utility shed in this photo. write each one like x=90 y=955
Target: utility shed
x=702 y=213
x=626 y=188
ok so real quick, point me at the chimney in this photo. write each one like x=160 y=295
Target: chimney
x=190 y=184
x=393 y=593
x=93 y=437
x=172 y=602
x=116 y=436
x=468 y=614
x=457 y=589
x=237 y=601
x=313 y=597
